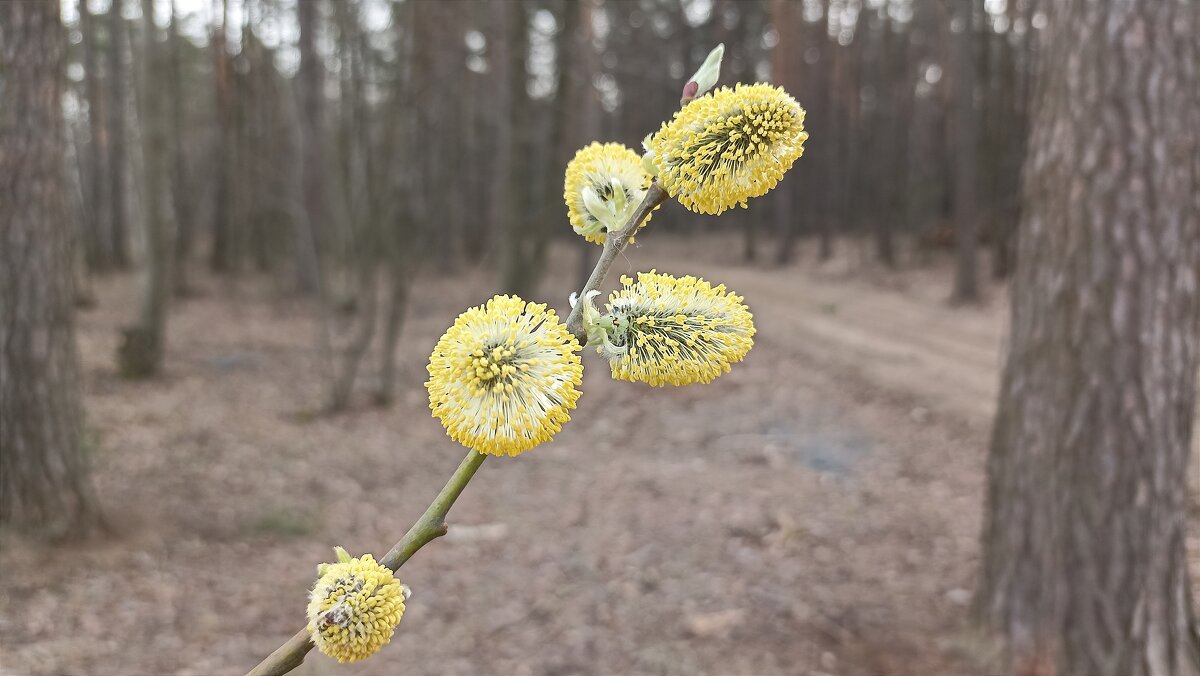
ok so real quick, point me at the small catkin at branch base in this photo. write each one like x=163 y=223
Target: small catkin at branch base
x=429 y=527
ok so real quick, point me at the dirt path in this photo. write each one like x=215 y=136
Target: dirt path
x=908 y=340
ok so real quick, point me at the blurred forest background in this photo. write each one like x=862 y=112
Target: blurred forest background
x=322 y=137
x=273 y=207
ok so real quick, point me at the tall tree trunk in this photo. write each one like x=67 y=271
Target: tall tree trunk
x=1084 y=562
x=143 y=344
x=520 y=269
x=96 y=240
x=1013 y=124
x=739 y=70
x=221 y=259
x=397 y=246
x=850 y=91
x=311 y=83
x=180 y=193
x=558 y=149
x=360 y=200
x=965 y=124
x=836 y=124
x=895 y=129
x=782 y=61
x=117 y=111
x=44 y=484
x=506 y=74
x=586 y=106
x=400 y=233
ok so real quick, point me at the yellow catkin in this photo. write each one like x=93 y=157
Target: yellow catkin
x=676 y=331
x=504 y=377
x=728 y=146
x=354 y=607
x=618 y=182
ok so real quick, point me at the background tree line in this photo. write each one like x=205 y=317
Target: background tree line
x=313 y=139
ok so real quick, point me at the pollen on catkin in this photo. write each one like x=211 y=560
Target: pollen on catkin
x=354 y=607
x=675 y=331
x=728 y=146
x=603 y=187
x=504 y=377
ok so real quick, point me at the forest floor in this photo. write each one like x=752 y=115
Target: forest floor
x=816 y=511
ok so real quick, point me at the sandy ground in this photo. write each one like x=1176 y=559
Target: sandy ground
x=814 y=512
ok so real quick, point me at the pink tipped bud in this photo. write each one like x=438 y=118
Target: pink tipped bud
x=689 y=91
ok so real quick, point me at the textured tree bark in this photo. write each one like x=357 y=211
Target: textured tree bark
x=1084 y=562
x=143 y=344
x=965 y=125
x=43 y=470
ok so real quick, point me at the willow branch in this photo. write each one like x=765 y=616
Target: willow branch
x=428 y=528
x=432 y=523
x=614 y=244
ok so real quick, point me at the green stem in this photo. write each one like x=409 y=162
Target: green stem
x=432 y=523
x=429 y=527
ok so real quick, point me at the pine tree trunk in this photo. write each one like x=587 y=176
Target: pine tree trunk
x=399 y=232
x=362 y=205
x=118 y=224
x=831 y=156
x=180 y=193
x=782 y=58
x=898 y=128
x=95 y=227
x=222 y=258
x=143 y=344
x=311 y=84
x=1084 y=561
x=520 y=271
x=43 y=470
x=965 y=126
x=506 y=23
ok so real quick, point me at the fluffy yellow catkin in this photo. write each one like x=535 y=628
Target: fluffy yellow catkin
x=728 y=146
x=354 y=608
x=603 y=186
x=504 y=377
x=675 y=331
